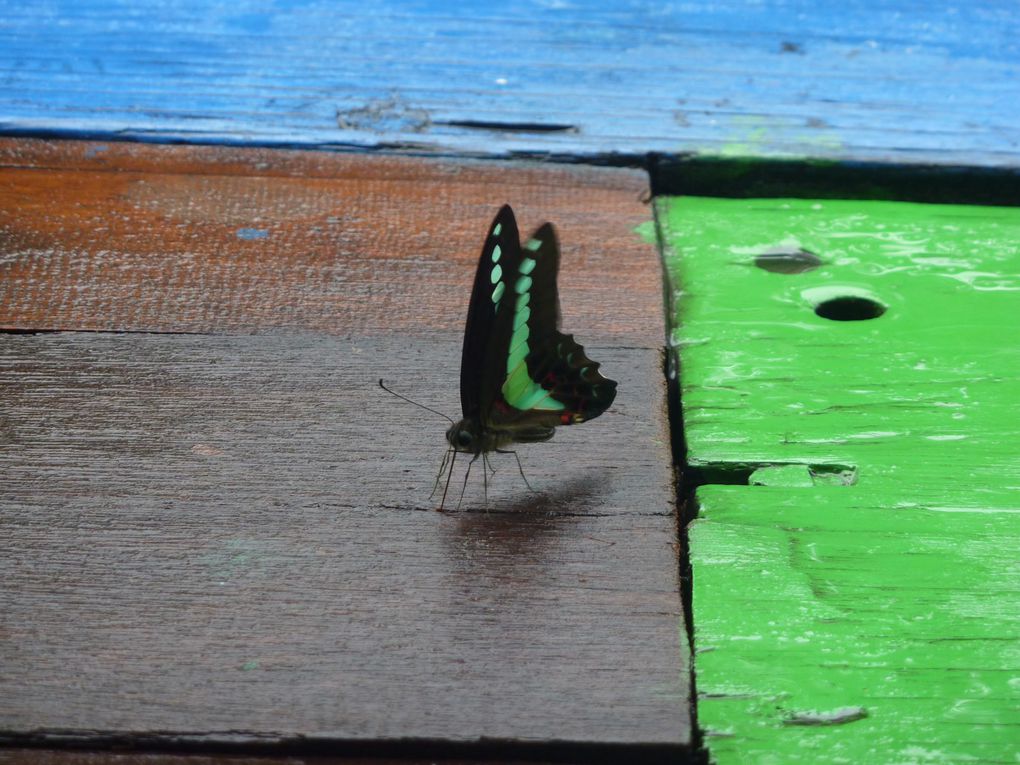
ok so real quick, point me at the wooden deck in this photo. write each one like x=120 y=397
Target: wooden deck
x=218 y=529
x=217 y=539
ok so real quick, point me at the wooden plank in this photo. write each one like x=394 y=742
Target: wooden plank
x=857 y=602
x=906 y=83
x=26 y=756
x=192 y=239
x=222 y=535
x=233 y=537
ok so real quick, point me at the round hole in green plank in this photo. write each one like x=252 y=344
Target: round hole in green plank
x=850 y=308
x=787 y=260
x=844 y=303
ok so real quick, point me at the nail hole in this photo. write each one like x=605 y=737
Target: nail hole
x=788 y=261
x=850 y=308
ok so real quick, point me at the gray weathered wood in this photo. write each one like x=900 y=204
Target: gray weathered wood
x=231 y=538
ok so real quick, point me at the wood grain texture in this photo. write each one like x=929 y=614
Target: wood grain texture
x=221 y=533
x=189 y=239
x=25 y=756
x=905 y=82
x=232 y=537
x=856 y=600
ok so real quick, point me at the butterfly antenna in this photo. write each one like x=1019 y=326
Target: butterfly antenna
x=449 y=475
x=405 y=398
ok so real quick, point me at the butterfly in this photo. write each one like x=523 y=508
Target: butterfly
x=520 y=377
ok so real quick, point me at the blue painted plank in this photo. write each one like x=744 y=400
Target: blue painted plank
x=867 y=80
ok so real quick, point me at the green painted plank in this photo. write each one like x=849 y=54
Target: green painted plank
x=856 y=588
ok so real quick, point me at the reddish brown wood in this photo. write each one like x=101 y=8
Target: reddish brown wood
x=136 y=237
x=226 y=537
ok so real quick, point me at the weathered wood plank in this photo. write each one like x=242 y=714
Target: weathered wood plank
x=858 y=601
x=25 y=756
x=232 y=537
x=189 y=239
x=903 y=82
x=227 y=539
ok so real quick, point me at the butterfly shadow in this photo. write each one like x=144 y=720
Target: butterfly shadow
x=518 y=533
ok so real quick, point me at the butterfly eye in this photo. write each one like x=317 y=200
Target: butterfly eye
x=463 y=438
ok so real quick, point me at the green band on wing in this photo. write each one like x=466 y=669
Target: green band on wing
x=519 y=390
x=498 y=292
x=521 y=319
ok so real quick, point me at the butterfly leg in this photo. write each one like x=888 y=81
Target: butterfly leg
x=439 y=475
x=521 y=469
x=485 y=478
x=466 y=476
x=449 y=475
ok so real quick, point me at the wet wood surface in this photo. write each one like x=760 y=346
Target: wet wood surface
x=217 y=528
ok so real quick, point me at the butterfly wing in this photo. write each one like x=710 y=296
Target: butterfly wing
x=480 y=373
x=546 y=377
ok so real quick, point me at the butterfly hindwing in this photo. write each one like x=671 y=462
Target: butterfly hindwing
x=549 y=380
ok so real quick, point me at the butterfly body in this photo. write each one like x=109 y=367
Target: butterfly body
x=521 y=377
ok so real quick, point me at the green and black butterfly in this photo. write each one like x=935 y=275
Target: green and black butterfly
x=520 y=377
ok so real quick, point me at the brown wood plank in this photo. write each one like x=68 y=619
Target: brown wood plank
x=227 y=538
x=191 y=239
x=26 y=756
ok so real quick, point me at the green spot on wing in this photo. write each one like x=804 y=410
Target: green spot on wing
x=498 y=292
x=519 y=337
x=521 y=317
x=527 y=265
x=539 y=398
x=496 y=253
x=497 y=229
x=522 y=285
x=517 y=355
x=496 y=275
x=533 y=244
x=516 y=384
x=522 y=300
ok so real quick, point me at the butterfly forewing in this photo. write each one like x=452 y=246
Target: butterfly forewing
x=480 y=372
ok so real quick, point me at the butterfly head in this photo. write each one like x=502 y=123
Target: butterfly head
x=466 y=436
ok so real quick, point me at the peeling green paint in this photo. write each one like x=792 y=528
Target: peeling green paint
x=647 y=232
x=858 y=600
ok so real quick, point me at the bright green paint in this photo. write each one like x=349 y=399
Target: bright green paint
x=647 y=232
x=872 y=567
